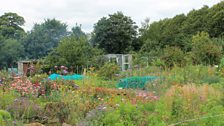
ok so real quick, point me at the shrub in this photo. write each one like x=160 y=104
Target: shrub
x=5 y=78
x=57 y=111
x=205 y=50
x=158 y=63
x=126 y=114
x=108 y=71
x=173 y=56
x=6 y=99
x=23 y=108
x=4 y=117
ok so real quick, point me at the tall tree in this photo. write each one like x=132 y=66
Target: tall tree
x=216 y=20
x=44 y=37
x=196 y=21
x=11 y=51
x=11 y=35
x=10 y=25
x=115 y=34
x=77 y=31
x=178 y=31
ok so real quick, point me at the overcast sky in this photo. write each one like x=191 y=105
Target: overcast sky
x=88 y=12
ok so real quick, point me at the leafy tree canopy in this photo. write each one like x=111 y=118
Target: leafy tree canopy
x=72 y=51
x=77 y=32
x=11 y=50
x=10 y=25
x=44 y=37
x=115 y=34
x=178 y=31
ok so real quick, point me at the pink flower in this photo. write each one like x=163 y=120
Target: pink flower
x=155 y=97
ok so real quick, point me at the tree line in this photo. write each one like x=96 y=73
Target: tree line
x=194 y=38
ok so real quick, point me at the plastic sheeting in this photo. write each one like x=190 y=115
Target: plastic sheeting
x=135 y=81
x=67 y=77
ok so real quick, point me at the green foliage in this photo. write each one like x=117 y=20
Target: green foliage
x=72 y=51
x=164 y=33
x=6 y=99
x=11 y=35
x=10 y=25
x=215 y=20
x=57 y=110
x=221 y=67
x=108 y=71
x=38 y=78
x=173 y=56
x=115 y=34
x=77 y=32
x=5 y=75
x=24 y=109
x=192 y=74
x=4 y=116
x=179 y=30
x=211 y=79
x=173 y=99
x=126 y=114
x=44 y=37
x=204 y=49
x=11 y=51
x=185 y=95
x=140 y=59
x=188 y=105
x=196 y=21
x=98 y=60
x=158 y=63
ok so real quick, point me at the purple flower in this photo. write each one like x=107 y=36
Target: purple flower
x=65 y=71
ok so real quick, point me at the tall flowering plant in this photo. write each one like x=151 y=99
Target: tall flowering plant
x=25 y=87
x=47 y=87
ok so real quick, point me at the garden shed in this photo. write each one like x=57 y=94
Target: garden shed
x=25 y=67
x=122 y=60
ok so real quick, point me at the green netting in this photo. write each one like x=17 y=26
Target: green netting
x=68 y=77
x=135 y=82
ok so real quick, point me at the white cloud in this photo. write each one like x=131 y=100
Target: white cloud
x=88 y=12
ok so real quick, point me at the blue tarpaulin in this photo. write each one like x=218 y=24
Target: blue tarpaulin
x=67 y=77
